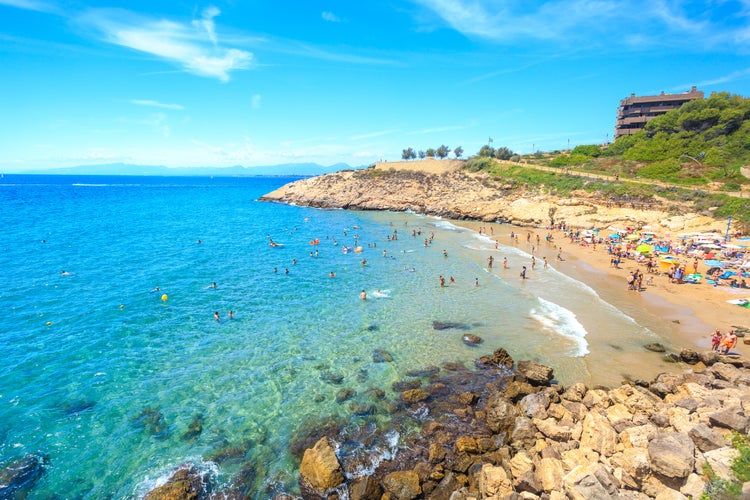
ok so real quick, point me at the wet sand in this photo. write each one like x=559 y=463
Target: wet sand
x=683 y=315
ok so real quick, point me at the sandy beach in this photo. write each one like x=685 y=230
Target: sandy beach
x=684 y=314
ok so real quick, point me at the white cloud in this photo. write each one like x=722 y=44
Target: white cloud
x=330 y=17
x=156 y=104
x=255 y=101
x=30 y=5
x=193 y=46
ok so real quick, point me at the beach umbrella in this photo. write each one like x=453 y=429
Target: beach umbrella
x=614 y=236
x=643 y=248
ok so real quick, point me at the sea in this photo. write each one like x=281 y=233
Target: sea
x=116 y=369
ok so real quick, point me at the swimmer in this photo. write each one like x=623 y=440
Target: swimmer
x=213 y=284
x=286 y=270
x=276 y=269
x=331 y=274
x=199 y=242
x=231 y=314
x=64 y=273
x=216 y=317
x=445 y=253
x=476 y=281
x=452 y=279
x=156 y=289
x=363 y=295
x=442 y=281
x=364 y=262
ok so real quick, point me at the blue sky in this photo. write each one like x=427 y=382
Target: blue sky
x=256 y=82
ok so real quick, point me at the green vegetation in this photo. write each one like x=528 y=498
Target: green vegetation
x=720 y=489
x=441 y=152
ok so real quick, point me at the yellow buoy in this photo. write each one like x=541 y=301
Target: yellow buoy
x=164 y=297
x=122 y=306
x=49 y=323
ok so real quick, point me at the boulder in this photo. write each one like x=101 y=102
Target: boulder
x=672 y=454
x=535 y=405
x=730 y=418
x=517 y=389
x=320 y=469
x=593 y=481
x=598 y=434
x=655 y=347
x=721 y=460
x=494 y=482
x=402 y=485
x=523 y=433
x=186 y=483
x=466 y=444
x=365 y=488
x=689 y=356
x=381 y=356
x=498 y=358
x=553 y=430
x=694 y=486
x=18 y=476
x=634 y=462
x=520 y=464
x=708 y=358
x=550 y=473
x=575 y=392
x=535 y=373
x=500 y=413
x=707 y=438
x=725 y=371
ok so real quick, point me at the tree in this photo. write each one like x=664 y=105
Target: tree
x=503 y=153
x=430 y=153
x=443 y=151
x=458 y=152
x=486 y=151
x=422 y=154
x=407 y=154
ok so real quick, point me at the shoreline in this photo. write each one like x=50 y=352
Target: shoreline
x=684 y=314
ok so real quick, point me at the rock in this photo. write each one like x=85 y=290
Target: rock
x=494 y=482
x=499 y=358
x=320 y=469
x=470 y=339
x=578 y=456
x=730 y=418
x=672 y=454
x=360 y=409
x=365 y=488
x=721 y=460
x=638 y=436
x=707 y=438
x=694 y=486
x=575 y=393
x=550 y=473
x=414 y=396
x=520 y=464
x=500 y=413
x=528 y=483
x=332 y=378
x=226 y=453
x=593 y=481
x=598 y=434
x=345 y=394
x=689 y=356
x=466 y=444
x=153 y=422
x=405 y=385
x=194 y=428
x=523 y=433
x=402 y=485
x=381 y=356
x=76 y=407
x=18 y=476
x=726 y=372
x=516 y=390
x=708 y=358
x=655 y=347
x=447 y=325
x=578 y=411
x=535 y=373
x=187 y=483
x=551 y=429
x=430 y=371
x=535 y=405
x=436 y=453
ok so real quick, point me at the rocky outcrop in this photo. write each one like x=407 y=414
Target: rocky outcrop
x=535 y=439
x=18 y=476
x=186 y=483
x=458 y=194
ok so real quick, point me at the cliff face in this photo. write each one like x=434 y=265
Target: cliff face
x=457 y=194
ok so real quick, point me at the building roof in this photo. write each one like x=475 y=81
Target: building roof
x=685 y=96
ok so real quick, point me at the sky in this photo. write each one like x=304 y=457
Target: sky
x=260 y=82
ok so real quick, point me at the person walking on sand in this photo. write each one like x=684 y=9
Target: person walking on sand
x=716 y=340
x=728 y=342
x=545 y=262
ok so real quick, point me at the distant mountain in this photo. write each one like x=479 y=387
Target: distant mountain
x=293 y=169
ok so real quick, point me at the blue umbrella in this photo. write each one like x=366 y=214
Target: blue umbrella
x=615 y=236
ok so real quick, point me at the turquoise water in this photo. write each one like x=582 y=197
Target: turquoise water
x=85 y=354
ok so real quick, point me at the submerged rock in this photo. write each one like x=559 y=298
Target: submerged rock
x=194 y=428
x=498 y=358
x=153 y=422
x=332 y=378
x=447 y=325
x=76 y=407
x=18 y=476
x=381 y=356
x=430 y=371
x=345 y=394
x=405 y=385
x=655 y=347
x=470 y=339
x=535 y=373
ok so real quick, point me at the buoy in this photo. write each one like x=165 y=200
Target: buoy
x=164 y=297
x=48 y=323
x=122 y=306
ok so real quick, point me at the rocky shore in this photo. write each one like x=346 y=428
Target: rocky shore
x=517 y=434
x=458 y=194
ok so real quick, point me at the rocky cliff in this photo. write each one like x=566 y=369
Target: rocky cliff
x=458 y=194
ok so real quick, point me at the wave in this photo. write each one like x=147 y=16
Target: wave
x=556 y=319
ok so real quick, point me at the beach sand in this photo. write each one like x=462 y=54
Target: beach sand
x=683 y=314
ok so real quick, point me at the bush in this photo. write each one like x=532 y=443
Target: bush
x=660 y=169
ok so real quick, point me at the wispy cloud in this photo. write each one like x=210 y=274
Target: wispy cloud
x=195 y=46
x=156 y=104
x=604 y=23
x=31 y=5
x=371 y=135
x=330 y=17
x=255 y=101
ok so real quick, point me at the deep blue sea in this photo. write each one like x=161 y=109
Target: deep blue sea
x=104 y=374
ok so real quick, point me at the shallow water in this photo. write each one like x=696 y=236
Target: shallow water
x=110 y=386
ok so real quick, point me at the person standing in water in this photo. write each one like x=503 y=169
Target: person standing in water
x=523 y=273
